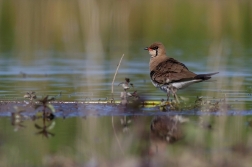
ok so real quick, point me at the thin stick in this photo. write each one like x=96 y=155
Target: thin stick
x=112 y=92
x=112 y=86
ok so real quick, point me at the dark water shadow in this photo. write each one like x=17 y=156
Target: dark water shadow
x=82 y=109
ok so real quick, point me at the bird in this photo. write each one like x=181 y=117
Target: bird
x=170 y=75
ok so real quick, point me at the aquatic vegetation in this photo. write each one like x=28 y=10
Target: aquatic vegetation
x=17 y=118
x=30 y=95
x=44 y=103
x=126 y=84
x=212 y=105
x=45 y=128
x=208 y=105
x=131 y=99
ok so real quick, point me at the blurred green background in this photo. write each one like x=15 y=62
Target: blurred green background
x=64 y=44
x=117 y=26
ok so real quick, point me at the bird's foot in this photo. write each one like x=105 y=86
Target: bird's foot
x=176 y=98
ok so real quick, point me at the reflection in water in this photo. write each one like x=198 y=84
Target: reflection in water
x=17 y=119
x=165 y=130
x=125 y=122
x=47 y=117
x=47 y=124
x=143 y=140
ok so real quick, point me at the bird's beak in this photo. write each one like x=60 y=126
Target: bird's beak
x=147 y=48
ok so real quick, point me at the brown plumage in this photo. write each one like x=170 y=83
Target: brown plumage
x=168 y=128
x=169 y=74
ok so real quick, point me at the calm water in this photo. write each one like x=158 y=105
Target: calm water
x=84 y=134
x=77 y=77
x=102 y=140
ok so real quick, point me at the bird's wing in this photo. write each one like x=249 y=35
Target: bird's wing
x=170 y=71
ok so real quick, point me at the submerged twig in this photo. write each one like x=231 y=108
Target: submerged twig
x=117 y=139
x=112 y=86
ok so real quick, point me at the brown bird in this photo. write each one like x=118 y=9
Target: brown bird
x=169 y=74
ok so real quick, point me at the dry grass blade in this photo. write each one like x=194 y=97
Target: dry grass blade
x=112 y=86
x=112 y=92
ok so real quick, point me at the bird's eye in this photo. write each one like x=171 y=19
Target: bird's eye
x=155 y=48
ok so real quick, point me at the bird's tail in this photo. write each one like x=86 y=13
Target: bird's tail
x=205 y=76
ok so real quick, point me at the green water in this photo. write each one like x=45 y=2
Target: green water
x=102 y=140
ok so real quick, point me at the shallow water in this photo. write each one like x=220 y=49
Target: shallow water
x=92 y=139
x=87 y=131
x=79 y=78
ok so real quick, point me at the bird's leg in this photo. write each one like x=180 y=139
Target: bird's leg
x=168 y=94
x=175 y=95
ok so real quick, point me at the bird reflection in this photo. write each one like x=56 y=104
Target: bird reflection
x=165 y=130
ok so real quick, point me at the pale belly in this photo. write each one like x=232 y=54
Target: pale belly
x=176 y=85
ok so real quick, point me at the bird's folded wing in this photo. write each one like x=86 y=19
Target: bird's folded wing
x=171 y=71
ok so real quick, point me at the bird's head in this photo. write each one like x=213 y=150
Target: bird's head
x=156 y=49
